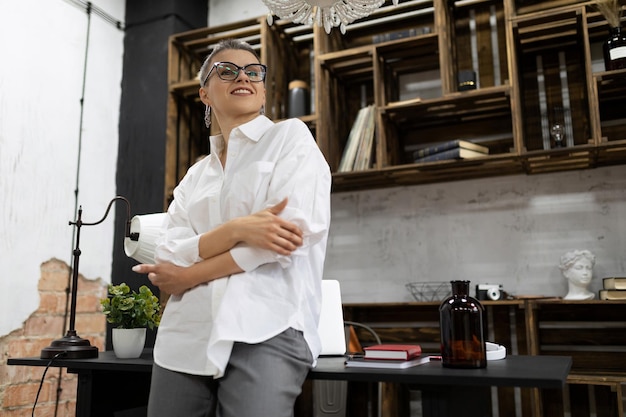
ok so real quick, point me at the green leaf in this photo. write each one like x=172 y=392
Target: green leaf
x=129 y=309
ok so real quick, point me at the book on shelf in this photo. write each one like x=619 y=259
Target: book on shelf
x=454 y=153
x=387 y=364
x=451 y=144
x=352 y=144
x=364 y=152
x=612 y=295
x=385 y=37
x=392 y=351
x=408 y=102
x=401 y=34
x=614 y=283
x=357 y=154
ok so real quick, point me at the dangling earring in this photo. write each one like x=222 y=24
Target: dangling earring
x=207 y=117
x=262 y=111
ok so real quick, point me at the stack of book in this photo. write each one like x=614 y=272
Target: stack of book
x=389 y=356
x=357 y=154
x=392 y=36
x=614 y=288
x=454 y=149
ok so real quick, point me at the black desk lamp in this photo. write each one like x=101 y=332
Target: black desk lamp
x=71 y=344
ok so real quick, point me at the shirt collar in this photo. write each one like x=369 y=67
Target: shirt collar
x=253 y=130
x=256 y=128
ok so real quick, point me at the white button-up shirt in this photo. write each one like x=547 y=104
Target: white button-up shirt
x=266 y=162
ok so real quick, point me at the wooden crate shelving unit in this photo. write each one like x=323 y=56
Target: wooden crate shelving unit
x=535 y=62
x=592 y=332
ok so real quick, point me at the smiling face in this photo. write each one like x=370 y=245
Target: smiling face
x=233 y=102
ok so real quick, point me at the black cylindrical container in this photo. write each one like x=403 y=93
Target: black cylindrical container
x=615 y=50
x=299 y=101
x=462 y=332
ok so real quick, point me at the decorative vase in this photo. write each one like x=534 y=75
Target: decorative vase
x=128 y=343
x=615 y=50
x=462 y=330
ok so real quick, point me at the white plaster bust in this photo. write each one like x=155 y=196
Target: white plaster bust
x=577 y=268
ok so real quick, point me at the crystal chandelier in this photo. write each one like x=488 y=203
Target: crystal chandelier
x=327 y=13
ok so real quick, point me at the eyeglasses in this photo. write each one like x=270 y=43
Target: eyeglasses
x=228 y=71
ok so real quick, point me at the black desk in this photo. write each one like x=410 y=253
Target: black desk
x=441 y=388
x=458 y=392
x=106 y=385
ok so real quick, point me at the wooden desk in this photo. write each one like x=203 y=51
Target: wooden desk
x=443 y=390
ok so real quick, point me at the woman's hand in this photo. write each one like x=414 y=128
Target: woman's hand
x=266 y=230
x=175 y=280
x=263 y=229
x=168 y=277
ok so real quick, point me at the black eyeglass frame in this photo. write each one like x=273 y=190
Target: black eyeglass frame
x=215 y=64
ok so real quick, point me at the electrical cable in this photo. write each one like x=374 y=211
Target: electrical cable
x=55 y=357
x=89 y=7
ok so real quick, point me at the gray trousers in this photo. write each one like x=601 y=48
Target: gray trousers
x=261 y=380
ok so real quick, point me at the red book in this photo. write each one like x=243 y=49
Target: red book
x=391 y=351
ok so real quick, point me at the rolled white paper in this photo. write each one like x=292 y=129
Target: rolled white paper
x=149 y=228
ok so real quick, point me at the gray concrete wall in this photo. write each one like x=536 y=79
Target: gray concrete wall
x=509 y=230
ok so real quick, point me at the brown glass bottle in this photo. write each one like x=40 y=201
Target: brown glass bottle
x=615 y=50
x=462 y=332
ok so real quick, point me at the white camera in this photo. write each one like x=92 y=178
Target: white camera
x=491 y=292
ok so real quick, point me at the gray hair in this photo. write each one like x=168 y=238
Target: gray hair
x=223 y=45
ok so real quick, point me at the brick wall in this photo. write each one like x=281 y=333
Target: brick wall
x=19 y=384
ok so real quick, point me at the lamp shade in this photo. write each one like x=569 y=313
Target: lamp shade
x=148 y=226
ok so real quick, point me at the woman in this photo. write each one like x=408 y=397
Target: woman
x=242 y=255
x=577 y=268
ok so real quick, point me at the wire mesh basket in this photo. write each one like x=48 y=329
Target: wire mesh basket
x=429 y=291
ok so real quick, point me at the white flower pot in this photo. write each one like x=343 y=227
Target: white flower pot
x=128 y=343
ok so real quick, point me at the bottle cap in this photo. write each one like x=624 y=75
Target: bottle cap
x=495 y=351
x=298 y=84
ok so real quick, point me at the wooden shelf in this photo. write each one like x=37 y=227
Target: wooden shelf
x=457 y=106
x=430 y=172
x=591 y=332
x=535 y=64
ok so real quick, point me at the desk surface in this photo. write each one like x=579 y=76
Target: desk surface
x=514 y=371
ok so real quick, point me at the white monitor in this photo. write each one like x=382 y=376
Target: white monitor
x=331 y=328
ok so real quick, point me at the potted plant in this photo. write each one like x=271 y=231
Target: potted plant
x=131 y=313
